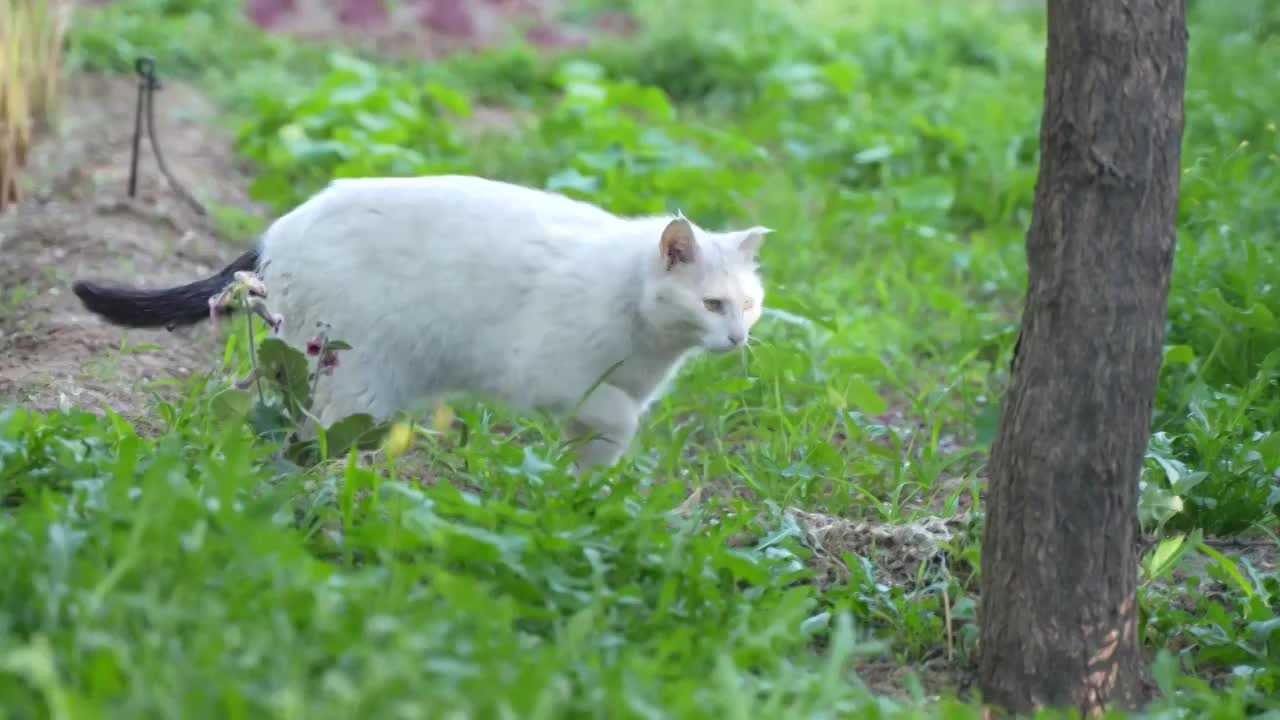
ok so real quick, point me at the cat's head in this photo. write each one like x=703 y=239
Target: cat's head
x=704 y=290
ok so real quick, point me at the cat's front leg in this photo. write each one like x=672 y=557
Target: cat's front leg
x=604 y=425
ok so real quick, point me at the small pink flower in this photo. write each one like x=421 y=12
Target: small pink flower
x=250 y=282
x=272 y=319
x=218 y=303
x=315 y=345
x=328 y=362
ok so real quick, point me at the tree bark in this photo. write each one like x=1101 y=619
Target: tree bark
x=1058 y=613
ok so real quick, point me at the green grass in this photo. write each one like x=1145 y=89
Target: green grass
x=893 y=147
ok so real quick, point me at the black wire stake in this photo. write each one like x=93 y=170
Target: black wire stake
x=148 y=84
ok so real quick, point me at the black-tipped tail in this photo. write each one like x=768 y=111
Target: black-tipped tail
x=168 y=308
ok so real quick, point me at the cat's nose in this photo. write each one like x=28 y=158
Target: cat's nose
x=735 y=339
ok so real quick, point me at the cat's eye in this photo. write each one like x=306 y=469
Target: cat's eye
x=714 y=305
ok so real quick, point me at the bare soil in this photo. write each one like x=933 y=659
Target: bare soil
x=77 y=221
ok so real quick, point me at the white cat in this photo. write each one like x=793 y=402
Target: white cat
x=449 y=285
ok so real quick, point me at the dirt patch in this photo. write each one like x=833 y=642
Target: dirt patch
x=490 y=120
x=1261 y=553
x=77 y=222
x=928 y=681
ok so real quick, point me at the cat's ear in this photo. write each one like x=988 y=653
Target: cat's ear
x=678 y=244
x=751 y=239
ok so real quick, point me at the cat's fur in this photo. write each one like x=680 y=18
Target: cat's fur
x=457 y=284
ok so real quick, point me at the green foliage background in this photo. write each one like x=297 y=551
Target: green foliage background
x=893 y=146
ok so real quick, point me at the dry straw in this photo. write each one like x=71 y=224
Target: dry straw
x=31 y=39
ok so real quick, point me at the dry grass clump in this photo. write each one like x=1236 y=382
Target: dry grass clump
x=896 y=550
x=31 y=43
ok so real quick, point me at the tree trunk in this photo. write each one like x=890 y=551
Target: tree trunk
x=1058 y=613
